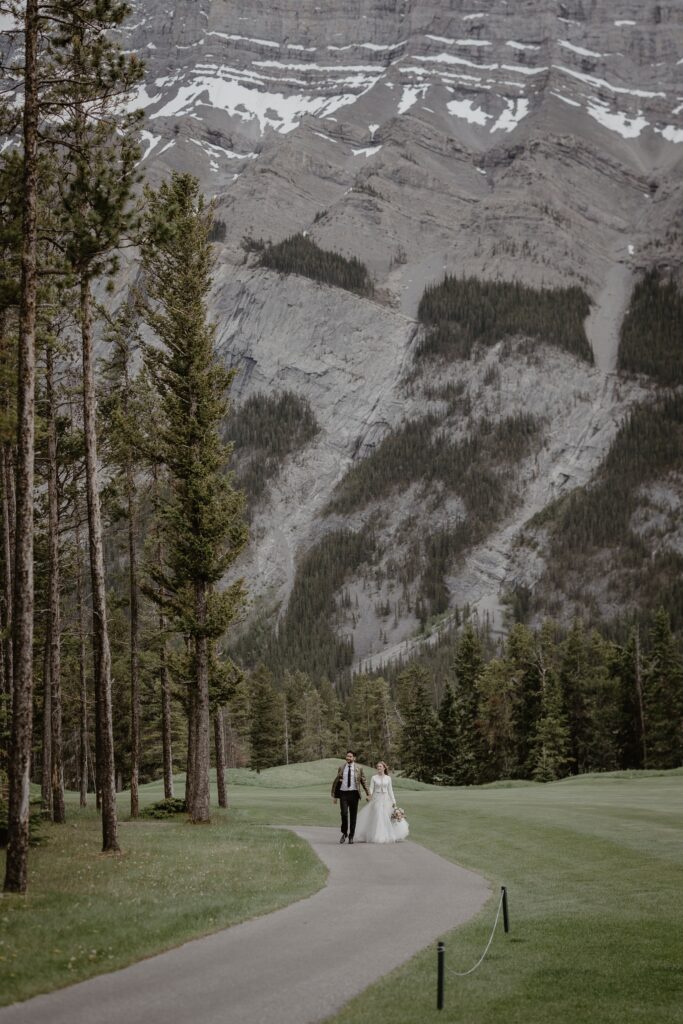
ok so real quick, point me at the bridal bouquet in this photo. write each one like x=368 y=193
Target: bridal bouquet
x=398 y=814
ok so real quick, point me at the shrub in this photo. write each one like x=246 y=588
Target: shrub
x=165 y=808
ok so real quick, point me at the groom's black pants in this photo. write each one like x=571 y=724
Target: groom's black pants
x=349 y=811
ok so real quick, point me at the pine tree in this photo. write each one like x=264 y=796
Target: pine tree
x=203 y=517
x=419 y=745
x=161 y=643
x=448 y=737
x=372 y=718
x=550 y=749
x=337 y=727
x=629 y=668
x=520 y=654
x=237 y=720
x=16 y=869
x=664 y=696
x=266 y=722
x=11 y=180
x=97 y=145
x=219 y=741
x=573 y=678
x=124 y=408
x=54 y=615
x=307 y=732
x=468 y=664
x=83 y=733
x=224 y=677
x=498 y=688
x=590 y=698
x=600 y=751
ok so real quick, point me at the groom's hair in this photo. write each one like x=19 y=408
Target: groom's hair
x=351 y=752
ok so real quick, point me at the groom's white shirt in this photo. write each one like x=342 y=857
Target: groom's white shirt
x=346 y=788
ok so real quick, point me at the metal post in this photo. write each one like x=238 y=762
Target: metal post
x=440 y=964
x=506 y=918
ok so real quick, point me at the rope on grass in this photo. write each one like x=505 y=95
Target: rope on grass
x=463 y=974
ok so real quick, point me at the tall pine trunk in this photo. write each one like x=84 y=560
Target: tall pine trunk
x=199 y=807
x=219 y=736
x=164 y=678
x=638 y=678
x=105 y=753
x=46 y=748
x=82 y=677
x=166 y=727
x=54 y=609
x=134 y=648
x=191 y=746
x=9 y=510
x=16 y=871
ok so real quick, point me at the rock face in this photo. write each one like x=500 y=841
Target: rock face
x=535 y=140
x=452 y=134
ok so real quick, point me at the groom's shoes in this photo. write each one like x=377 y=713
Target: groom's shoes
x=350 y=840
x=342 y=839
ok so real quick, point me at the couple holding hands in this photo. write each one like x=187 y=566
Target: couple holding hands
x=381 y=821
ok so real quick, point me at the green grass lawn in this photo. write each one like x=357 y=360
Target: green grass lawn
x=86 y=913
x=594 y=869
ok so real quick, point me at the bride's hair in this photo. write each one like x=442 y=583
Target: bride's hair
x=386 y=766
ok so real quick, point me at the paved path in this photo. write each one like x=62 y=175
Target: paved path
x=381 y=905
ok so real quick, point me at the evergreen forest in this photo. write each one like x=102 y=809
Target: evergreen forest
x=651 y=338
x=540 y=705
x=299 y=254
x=459 y=313
x=601 y=531
x=263 y=431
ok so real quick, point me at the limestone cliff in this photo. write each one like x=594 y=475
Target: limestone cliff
x=537 y=141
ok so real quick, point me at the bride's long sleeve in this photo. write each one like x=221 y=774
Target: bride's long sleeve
x=391 y=792
x=372 y=785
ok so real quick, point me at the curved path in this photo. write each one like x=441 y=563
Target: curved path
x=381 y=905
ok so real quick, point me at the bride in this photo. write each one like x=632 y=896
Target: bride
x=375 y=823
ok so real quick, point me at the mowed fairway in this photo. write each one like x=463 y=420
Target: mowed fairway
x=594 y=869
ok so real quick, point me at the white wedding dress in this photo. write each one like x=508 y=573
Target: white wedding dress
x=374 y=824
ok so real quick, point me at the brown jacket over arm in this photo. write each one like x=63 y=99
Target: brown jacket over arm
x=360 y=779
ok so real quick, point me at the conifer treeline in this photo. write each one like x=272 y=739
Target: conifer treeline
x=544 y=704
x=462 y=312
x=650 y=340
x=299 y=254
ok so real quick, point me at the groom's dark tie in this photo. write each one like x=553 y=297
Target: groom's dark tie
x=348 y=776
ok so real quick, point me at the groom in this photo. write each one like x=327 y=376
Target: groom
x=346 y=788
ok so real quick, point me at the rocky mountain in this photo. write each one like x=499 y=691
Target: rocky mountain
x=535 y=142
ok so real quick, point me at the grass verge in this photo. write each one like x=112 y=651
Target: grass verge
x=86 y=913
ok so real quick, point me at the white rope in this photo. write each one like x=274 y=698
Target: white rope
x=463 y=974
